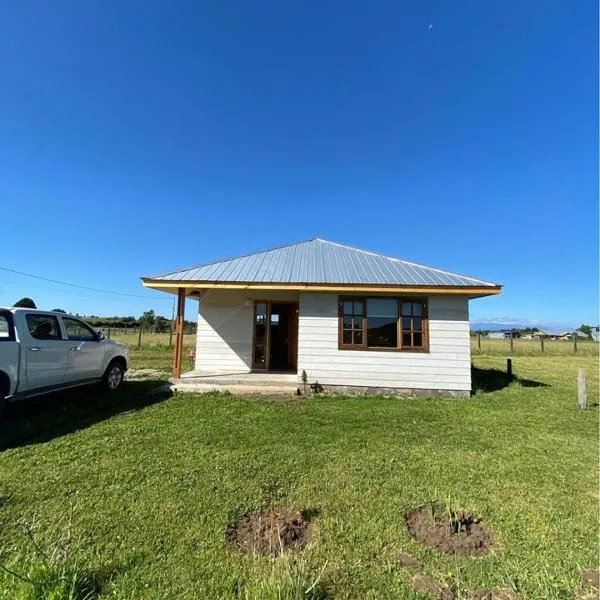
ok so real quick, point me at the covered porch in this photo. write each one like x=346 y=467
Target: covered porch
x=241 y=332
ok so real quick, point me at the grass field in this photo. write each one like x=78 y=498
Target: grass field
x=146 y=487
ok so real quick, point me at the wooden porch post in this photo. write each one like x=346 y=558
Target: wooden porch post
x=179 y=322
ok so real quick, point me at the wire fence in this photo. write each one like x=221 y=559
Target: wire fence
x=511 y=345
x=138 y=336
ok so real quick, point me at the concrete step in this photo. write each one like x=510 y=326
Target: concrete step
x=198 y=388
x=235 y=381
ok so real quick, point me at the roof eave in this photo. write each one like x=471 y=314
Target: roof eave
x=171 y=286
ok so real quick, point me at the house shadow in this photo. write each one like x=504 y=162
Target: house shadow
x=492 y=380
x=44 y=418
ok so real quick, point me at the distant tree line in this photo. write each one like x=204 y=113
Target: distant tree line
x=148 y=321
x=517 y=331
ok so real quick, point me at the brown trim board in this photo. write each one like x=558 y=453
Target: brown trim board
x=171 y=287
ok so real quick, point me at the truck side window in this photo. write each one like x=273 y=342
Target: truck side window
x=76 y=330
x=43 y=327
x=7 y=330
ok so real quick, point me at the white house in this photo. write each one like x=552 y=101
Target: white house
x=346 y=318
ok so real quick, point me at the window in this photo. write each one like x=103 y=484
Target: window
x=43 y=327
x=76 y=330
x=413 y=333
x=383 y=323
x=352 y=322
x=7 y=330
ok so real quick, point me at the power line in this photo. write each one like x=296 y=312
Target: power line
x=75 y=285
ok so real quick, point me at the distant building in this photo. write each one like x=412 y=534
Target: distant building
x=596 y=333
x=561 y=335
x=496 y=335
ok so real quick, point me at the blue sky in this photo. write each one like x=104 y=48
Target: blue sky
x=142 y=136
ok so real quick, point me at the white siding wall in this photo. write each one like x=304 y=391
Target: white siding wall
x=446 y=367
x=224 y=341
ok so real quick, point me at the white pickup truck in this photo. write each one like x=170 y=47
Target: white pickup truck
x=43 y=351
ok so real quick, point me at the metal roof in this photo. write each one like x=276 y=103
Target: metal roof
x=318 y=261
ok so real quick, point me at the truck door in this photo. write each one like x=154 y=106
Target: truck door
x=46 y=353
x=9 y=352
x=86 y=352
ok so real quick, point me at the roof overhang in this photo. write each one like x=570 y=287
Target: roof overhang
x=171 y=287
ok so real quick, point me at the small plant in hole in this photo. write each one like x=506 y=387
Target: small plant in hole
x=460 y=521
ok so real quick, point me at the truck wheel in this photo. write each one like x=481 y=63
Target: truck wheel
x=113 y=376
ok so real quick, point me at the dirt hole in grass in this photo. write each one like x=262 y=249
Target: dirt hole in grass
x=493 y=594
x=431 y=588
x=459 y=533
x=271 y=532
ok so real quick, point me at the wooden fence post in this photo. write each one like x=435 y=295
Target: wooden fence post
x=512 y=347
x=581 y=389
x=109 y=332
x=542 y=342
x=479 y=340
x=574 y=342
x=509 y=367
x=139 y=339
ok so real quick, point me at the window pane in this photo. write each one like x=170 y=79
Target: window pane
x=417 y=339
x=259 y=335
x=259 y=354
x=417 y=309
x=42 y=327
x=347 y=322
x=406 y=339
x=348 y=307
x=406 y=309
x=406 y=324
x=382 y=307
x=417 y=324
x=358 y=308
x=4 y=328
x=76 y=330
x=347 y=337
x=382 y=333
x=358 y=337
x=382 y=323
x=358 y=322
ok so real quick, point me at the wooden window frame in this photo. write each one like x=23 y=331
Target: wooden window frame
x=399 y=348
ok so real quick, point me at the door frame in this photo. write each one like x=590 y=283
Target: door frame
x=295 y=306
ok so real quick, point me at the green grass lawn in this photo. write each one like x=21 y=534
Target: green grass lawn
x=146 y=487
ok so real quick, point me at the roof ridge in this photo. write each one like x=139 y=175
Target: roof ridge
x=402 y=260
x=230 y=258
